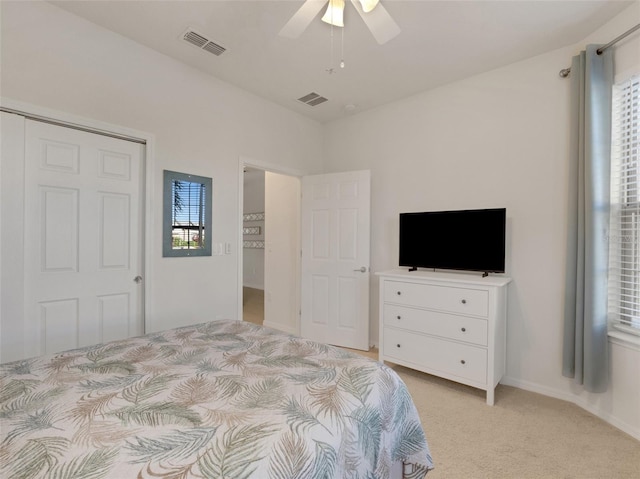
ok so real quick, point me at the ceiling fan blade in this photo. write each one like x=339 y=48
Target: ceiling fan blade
x=382 y=26
x=302 y=18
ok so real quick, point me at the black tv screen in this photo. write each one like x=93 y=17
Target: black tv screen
x=470 y=240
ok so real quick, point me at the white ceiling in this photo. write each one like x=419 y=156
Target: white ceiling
x=440 y=42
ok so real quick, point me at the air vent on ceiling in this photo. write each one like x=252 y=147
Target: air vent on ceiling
x=312 y=99
x=202 y=42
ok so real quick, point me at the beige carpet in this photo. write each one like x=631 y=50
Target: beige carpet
x=525 y=435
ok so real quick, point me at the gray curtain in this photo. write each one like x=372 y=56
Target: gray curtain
x=585 y=355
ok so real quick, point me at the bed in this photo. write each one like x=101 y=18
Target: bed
x=224 y=399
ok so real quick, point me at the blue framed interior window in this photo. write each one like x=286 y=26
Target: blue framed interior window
x=187 y=225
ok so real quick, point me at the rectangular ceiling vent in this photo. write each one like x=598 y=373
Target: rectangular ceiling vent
x=312 y=99
x=202 y=42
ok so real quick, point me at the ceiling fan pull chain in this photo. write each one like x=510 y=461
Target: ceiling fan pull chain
x=331 y=70
x=342 y=51
x=331 y=65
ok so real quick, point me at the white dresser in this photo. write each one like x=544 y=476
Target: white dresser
x=451 y=325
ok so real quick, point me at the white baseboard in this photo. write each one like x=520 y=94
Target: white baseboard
x=580 y=402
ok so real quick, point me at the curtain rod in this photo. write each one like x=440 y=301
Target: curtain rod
x=564 y=73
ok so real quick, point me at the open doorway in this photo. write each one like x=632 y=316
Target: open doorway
x=253 y=237
x=270 y=272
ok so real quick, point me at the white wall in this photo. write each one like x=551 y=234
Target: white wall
x=282 y=252
x=253 y=258
x=499 y=139
x=201 y=125
x=12 y=145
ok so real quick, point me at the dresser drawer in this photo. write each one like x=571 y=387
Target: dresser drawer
x=443 y=298
x=461 y=360
x=436 y=323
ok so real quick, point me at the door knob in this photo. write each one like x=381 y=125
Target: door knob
x=137 y=279
x=361 y=270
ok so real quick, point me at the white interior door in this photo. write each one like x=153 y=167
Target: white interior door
x=83 y=238
x=335 y=258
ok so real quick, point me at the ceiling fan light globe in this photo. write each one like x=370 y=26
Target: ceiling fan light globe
x=368 y=5
x=335 y=13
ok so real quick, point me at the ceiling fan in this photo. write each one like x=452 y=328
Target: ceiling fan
x=375 y=16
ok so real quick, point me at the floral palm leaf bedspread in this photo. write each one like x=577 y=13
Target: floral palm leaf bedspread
x=224 y=399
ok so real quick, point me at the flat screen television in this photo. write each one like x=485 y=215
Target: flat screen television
x=469 y=240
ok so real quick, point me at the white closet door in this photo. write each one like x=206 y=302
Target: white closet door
x=83 y=238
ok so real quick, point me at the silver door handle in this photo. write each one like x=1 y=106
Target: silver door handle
x=137 y=279
x=361 y=270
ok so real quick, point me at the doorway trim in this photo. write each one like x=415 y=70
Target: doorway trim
x=243 y=162
x=99 y=127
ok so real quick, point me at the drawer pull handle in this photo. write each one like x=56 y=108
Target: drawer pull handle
x=399 y=293
x=464 y=301
x=462 y=361
x=463 y=330
x=398 y=345
x=399 y=317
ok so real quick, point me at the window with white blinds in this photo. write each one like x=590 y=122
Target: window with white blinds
x=624 y=238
